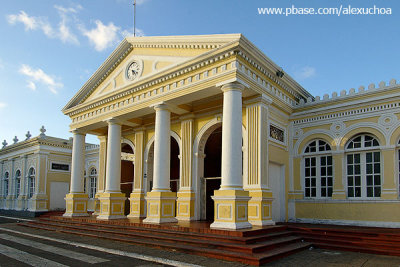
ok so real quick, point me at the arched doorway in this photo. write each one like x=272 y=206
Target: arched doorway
x=212 y=171
x=127 y=173
x=208 y=166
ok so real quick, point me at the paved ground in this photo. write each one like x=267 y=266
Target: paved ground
x=21 y=246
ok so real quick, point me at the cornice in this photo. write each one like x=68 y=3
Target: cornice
x=159 y=78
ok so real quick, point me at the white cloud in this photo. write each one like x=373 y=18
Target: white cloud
x=305 y=73
x=38 y=75
x=3 y=105
x=31 y=85
x=63 y=32
x=31 y=23
x=102 y=36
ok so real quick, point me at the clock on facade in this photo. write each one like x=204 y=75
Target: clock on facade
x=133 y=70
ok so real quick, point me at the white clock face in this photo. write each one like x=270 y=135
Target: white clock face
x=132 y=72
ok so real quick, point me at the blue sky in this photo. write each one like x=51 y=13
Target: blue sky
x=50 y=48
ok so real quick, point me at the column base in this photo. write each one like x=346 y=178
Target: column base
x=230 y=209
x=112 y=206
x=160 y=207
x=76 y=205
x=260 y=208
x=185 y=206
x=137 y=203
x=38 y=203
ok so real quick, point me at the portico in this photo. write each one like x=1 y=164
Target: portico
x=168 y=111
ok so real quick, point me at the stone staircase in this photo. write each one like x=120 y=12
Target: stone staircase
x=254 y=247
x=385 y=241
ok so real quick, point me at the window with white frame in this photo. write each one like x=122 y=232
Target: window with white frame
x=363 y=160
x=31 y=182
x=93 y=183
x=17 y=182
x=318 y=170
x=5 y=188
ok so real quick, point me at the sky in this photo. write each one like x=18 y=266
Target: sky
x=49 y=49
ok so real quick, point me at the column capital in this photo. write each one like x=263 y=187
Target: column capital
x=233 y=86
x=160 y=106
x=78 y=131
x=112 y=121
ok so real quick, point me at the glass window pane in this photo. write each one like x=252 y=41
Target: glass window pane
x=349 y=170
x=377 y=180
x=357 y=158
x=307 y=172
x=369 y=180
x=323 y=182
x=370 y=192
x=330 y=181
x=313 y=171
x=357 y=169
x=369 y=168
x=351 y=192
x=329 y=192
x=329 y=160
x=313 y=182
x=329 y=171
x=377 y=156
x=323 y=161
x=377 y=168
x=377 y=192
x=357 y=180
x=358 y=192
x=323 y=171
x=369 y=157
x=307 y=182
x=350 y=159
x=307 y=193
x=313 y=192
x=350 y=181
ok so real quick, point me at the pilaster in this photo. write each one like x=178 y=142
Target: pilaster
x=260 y=203
x=136 y=199
x=186 y=195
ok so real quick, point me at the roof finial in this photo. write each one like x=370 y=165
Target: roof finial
x=42 y=132
x=15 y=139
x=4 y=143
x=28 y=135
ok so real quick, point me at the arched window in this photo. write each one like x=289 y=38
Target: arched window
x=31 y=182
x=318 y=170
x=17 y=182
x=363 y=167
x=93 y=182
x=5 y=189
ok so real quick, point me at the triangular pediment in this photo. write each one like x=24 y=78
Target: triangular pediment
x=139 y=58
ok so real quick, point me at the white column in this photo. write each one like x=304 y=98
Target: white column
x=231 y=169
x=162 y=147
x=78 y=163
x=113 y=169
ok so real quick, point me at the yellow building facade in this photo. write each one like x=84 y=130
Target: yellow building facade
x=209 y=128
x=36 y=173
